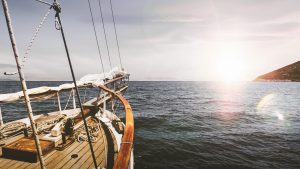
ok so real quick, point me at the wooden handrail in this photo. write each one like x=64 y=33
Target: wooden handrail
x=124 y=154
x=115 y=79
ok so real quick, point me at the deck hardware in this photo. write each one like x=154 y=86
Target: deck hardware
x=74 y=155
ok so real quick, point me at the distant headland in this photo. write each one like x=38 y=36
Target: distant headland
x=289 y=73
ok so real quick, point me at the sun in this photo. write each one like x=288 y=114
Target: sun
x=230 y=65
x=230 y=69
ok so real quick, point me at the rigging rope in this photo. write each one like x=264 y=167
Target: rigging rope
x=68 y=100
x=29 y=46
x=84 y=98
x=103 y=26
x=57 y=8
x=99 y=52
x=43 y=2
x=116 y=35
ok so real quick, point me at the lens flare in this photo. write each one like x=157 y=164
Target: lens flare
x=267 y=106
x=264 y=101
x=279 y=116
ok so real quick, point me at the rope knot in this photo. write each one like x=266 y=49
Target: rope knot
x=56 y=7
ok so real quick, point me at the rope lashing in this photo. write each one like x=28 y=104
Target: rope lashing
x=57 y=8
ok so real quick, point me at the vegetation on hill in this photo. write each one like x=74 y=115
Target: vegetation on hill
x=288 y=73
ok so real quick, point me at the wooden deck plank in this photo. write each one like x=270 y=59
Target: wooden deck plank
x=84 y=162
x=28 y=165
x=18 y=164
x=31 y=165
x=99 y=158
x=82 y=156
x=104 y=146
x=62 y=159
x=53 y=156
x=9 y=163
x=4 y=162
x=60 y=156
x=68 y=161
x=87 y=160
x=65 y=157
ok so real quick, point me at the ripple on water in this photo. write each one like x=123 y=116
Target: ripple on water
x=207 y=125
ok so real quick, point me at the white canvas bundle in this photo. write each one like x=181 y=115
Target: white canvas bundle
x=90 y=79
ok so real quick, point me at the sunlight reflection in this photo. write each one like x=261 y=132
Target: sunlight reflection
x=228 y=116
x=264 y=101
x=228 y=102
x=280 y=116
x=267 y=106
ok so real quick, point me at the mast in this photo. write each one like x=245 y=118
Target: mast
x=23 y=82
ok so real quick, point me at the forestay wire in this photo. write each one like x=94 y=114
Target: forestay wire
x=104 y=32
x=99 y=52
x=116 y=35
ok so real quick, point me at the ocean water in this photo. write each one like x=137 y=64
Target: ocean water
x=205 y=124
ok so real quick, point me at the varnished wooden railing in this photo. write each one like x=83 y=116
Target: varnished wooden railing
x=124 y=154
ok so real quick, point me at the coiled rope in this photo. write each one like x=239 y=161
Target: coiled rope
x=47 y=125
x=11 y=129
x=94 y=128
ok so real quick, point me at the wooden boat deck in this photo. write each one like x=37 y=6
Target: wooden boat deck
x=63 y=159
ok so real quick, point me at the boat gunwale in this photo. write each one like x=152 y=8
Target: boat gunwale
x=126 y=145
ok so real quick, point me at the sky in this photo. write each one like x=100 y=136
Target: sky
x=197 y=40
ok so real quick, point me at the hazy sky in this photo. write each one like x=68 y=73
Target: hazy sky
x=159 y=39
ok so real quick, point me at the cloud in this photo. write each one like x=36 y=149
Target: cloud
x=152 y=34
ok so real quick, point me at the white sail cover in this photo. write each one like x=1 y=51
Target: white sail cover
x=93 y=80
